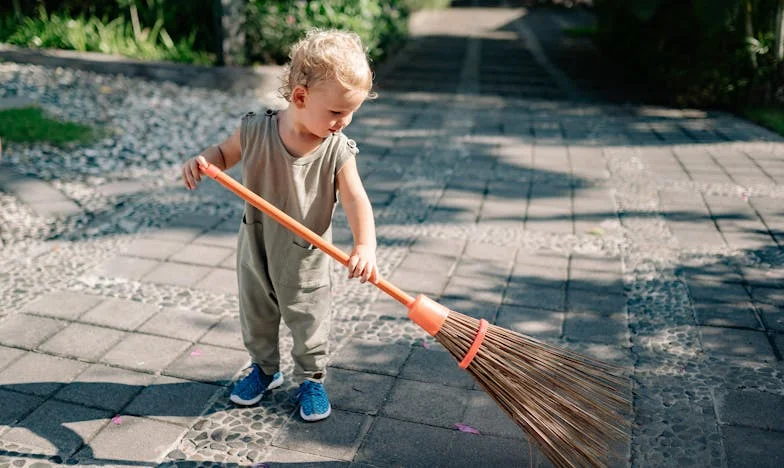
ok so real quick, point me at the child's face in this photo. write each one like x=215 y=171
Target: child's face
x=329 y=107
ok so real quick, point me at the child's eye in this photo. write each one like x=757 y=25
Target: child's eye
x=336 y=112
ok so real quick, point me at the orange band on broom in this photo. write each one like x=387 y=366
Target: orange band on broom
x=570 y=405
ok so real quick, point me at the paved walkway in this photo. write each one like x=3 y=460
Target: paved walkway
x=645 y=236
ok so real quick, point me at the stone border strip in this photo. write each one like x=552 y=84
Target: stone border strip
x=264 y=79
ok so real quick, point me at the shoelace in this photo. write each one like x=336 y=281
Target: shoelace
x=309 y=390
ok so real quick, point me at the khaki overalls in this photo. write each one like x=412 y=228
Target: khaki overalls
x=279 y=273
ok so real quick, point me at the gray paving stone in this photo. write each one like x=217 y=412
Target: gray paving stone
x=773 y=296
x=336 y=437
x=763 y=277
x=177 y=274
x=145 y=352
x=180 y=323
x=485 y=290
x=155 y=249
x=471 y=307
x=699 y=238
x=179 y=234
x=9 y=355
x=603 y=282
x=426 y=365
x=471 y=450
x=220 y=281
x=133 y=440
x=219 y=238
x=173 y=400
x=471 y=268
x=278 y=457
x=752 y=447
x=120 y=313
x=538 y=323
x=534 y=275
x=762 y=410
x=56 y=208
x=485 y=415
x=484 y=252
x=122 y=188
x=739 y=315
x=104 y=387
x=132 y=268
x=27 y=331
x=731 y=293
x=58 y=428
x=206 y=255
x=595 y=327
x=427 y=261
x=544 y=261
x=416 y=281
x=16 y=406
x=357 y=391
x=63 y=304
x=371 y=356
x=446 y=247
x=226 y=333
x=427 y=403
x=83 y=341
x=40 y=374
x=535 y=297
x=596 y=302
x=739 y=343
x=205 y=363
x=230 y=262
x=394 y=443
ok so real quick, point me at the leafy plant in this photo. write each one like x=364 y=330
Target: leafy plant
x=93 y=34
x=273 y=26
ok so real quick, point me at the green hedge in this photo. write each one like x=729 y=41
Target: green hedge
x=694 y=52
x=185 y=30
x=273 y=26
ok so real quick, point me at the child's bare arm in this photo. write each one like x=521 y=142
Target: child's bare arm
x=224 y=155
x=362 y=262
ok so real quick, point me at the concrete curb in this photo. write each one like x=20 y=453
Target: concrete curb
x=264 y=79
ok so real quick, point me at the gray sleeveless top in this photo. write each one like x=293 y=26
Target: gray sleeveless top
x=304 y=187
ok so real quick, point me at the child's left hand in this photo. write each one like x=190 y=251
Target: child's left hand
x=362 y=263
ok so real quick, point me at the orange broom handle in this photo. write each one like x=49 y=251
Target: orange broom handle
x=293 y=225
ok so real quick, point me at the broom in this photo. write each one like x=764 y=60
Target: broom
x=571 y=406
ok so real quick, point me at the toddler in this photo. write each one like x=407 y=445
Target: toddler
x=298 y=159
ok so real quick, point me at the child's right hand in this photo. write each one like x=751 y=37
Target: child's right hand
x=190 y=173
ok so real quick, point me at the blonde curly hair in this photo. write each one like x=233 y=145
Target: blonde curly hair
x=326 y=55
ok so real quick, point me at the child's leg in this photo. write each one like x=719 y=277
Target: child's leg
x=306 y=312
x=259 y=312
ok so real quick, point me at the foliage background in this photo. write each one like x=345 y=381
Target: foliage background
x=187 y=30
x=696 y=52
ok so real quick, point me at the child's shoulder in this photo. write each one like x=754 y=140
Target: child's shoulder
x=251 y=116
x=342 y=143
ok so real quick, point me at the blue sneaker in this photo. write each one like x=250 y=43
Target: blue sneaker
x=313 y=401
x=249 y=390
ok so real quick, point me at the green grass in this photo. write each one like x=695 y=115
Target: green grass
x=29 y=125
x=581 y=31
x=769 y=117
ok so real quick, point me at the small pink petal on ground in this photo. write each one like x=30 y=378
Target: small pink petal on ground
x=117 y=419
x=425 y=344
x=196 y=352
x=466 y=428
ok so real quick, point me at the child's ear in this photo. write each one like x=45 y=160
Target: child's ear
x=298 y=95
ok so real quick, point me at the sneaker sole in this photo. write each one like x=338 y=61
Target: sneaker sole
x=315 y=417
x=273 y=385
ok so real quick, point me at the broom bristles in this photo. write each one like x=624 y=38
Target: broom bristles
x=571 y=406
